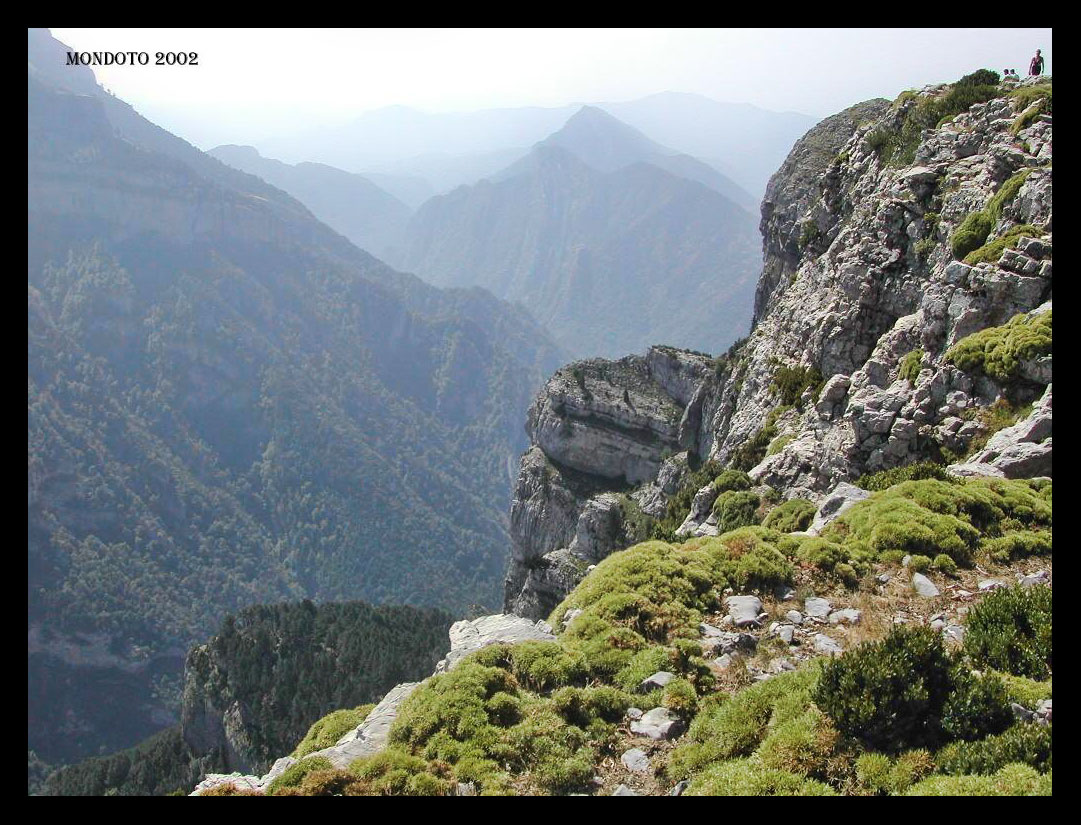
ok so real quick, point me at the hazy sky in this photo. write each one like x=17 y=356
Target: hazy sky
x=254 y=83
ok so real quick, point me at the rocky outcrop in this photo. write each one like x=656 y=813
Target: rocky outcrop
x=860 y=279
x=372 y=735
x=468 y=636
x=598 y=426
x=1020 y=451
x=792 y=192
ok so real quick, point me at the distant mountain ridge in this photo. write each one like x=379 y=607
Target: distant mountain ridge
x=367 y=215
x=743 y=141
x=609 y=258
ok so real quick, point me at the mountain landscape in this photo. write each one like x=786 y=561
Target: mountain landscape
x=597 y=224
x=817 y=564
x=453 y=148
x=229 y=404
x=691 y=461
x=370 y=217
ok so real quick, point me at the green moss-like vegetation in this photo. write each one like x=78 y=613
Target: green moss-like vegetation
x=740 y=727
x=795 y=514
x=991 y=252
x=294 y=775
x=1027 y=95
x=1010 y=630
x=971 y=234
x=779 y=443
x=732 y=480
x=932 y=517
x=329 y=729
x=1012 y=780
x=1025 y=691
x=753 y=450
x=1031 y=102
x=920 y=564
x=736 y=509
x=791 y=382
x=999 y=351
x=911 y=365
x=974 y=229
x=748 y=777
x=884 y=479
x=897 y=144
x=878 y=773
x=539 y=717
x=1025 y=743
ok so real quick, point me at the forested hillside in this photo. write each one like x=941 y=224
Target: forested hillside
x=254 y=688
x=229 y=404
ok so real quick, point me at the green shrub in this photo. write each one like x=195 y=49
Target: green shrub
x=732 y=480
x=897 y=144
x=1010 y=630
x=920 y=564
x=794 y=515
x=1023 y=743
x=791 y=382
x=978 y=78
x=878 y=773
x=329 y=729
x=945 y=565
x=911 y=365
x=1012 y=546
x=753 y=450
x=747 y=777
x=999 y=351
x=728 y=728
x=974 y=229
x=294 y=775
x=971 y=234
x=999 y=415
x=779 y=443
x=1025 y=691
x=735 y=509
x=977 y=705
x=884 y=479
x=1012 y=780
x=905 y=691
x=991 y=252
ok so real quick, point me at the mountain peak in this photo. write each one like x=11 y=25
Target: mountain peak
x=603 y=141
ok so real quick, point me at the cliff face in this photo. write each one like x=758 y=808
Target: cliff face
x=846 y=371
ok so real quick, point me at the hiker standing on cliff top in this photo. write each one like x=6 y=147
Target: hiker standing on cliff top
x=1036 y=66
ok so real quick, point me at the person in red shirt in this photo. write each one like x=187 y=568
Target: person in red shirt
x=1036 y=66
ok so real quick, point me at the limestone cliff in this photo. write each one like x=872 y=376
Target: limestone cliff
x=885 y=246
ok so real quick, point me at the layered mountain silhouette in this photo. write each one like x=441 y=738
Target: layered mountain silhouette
x=369 y=216
x=612 y=241
x=743 y=141
x=229 y=403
